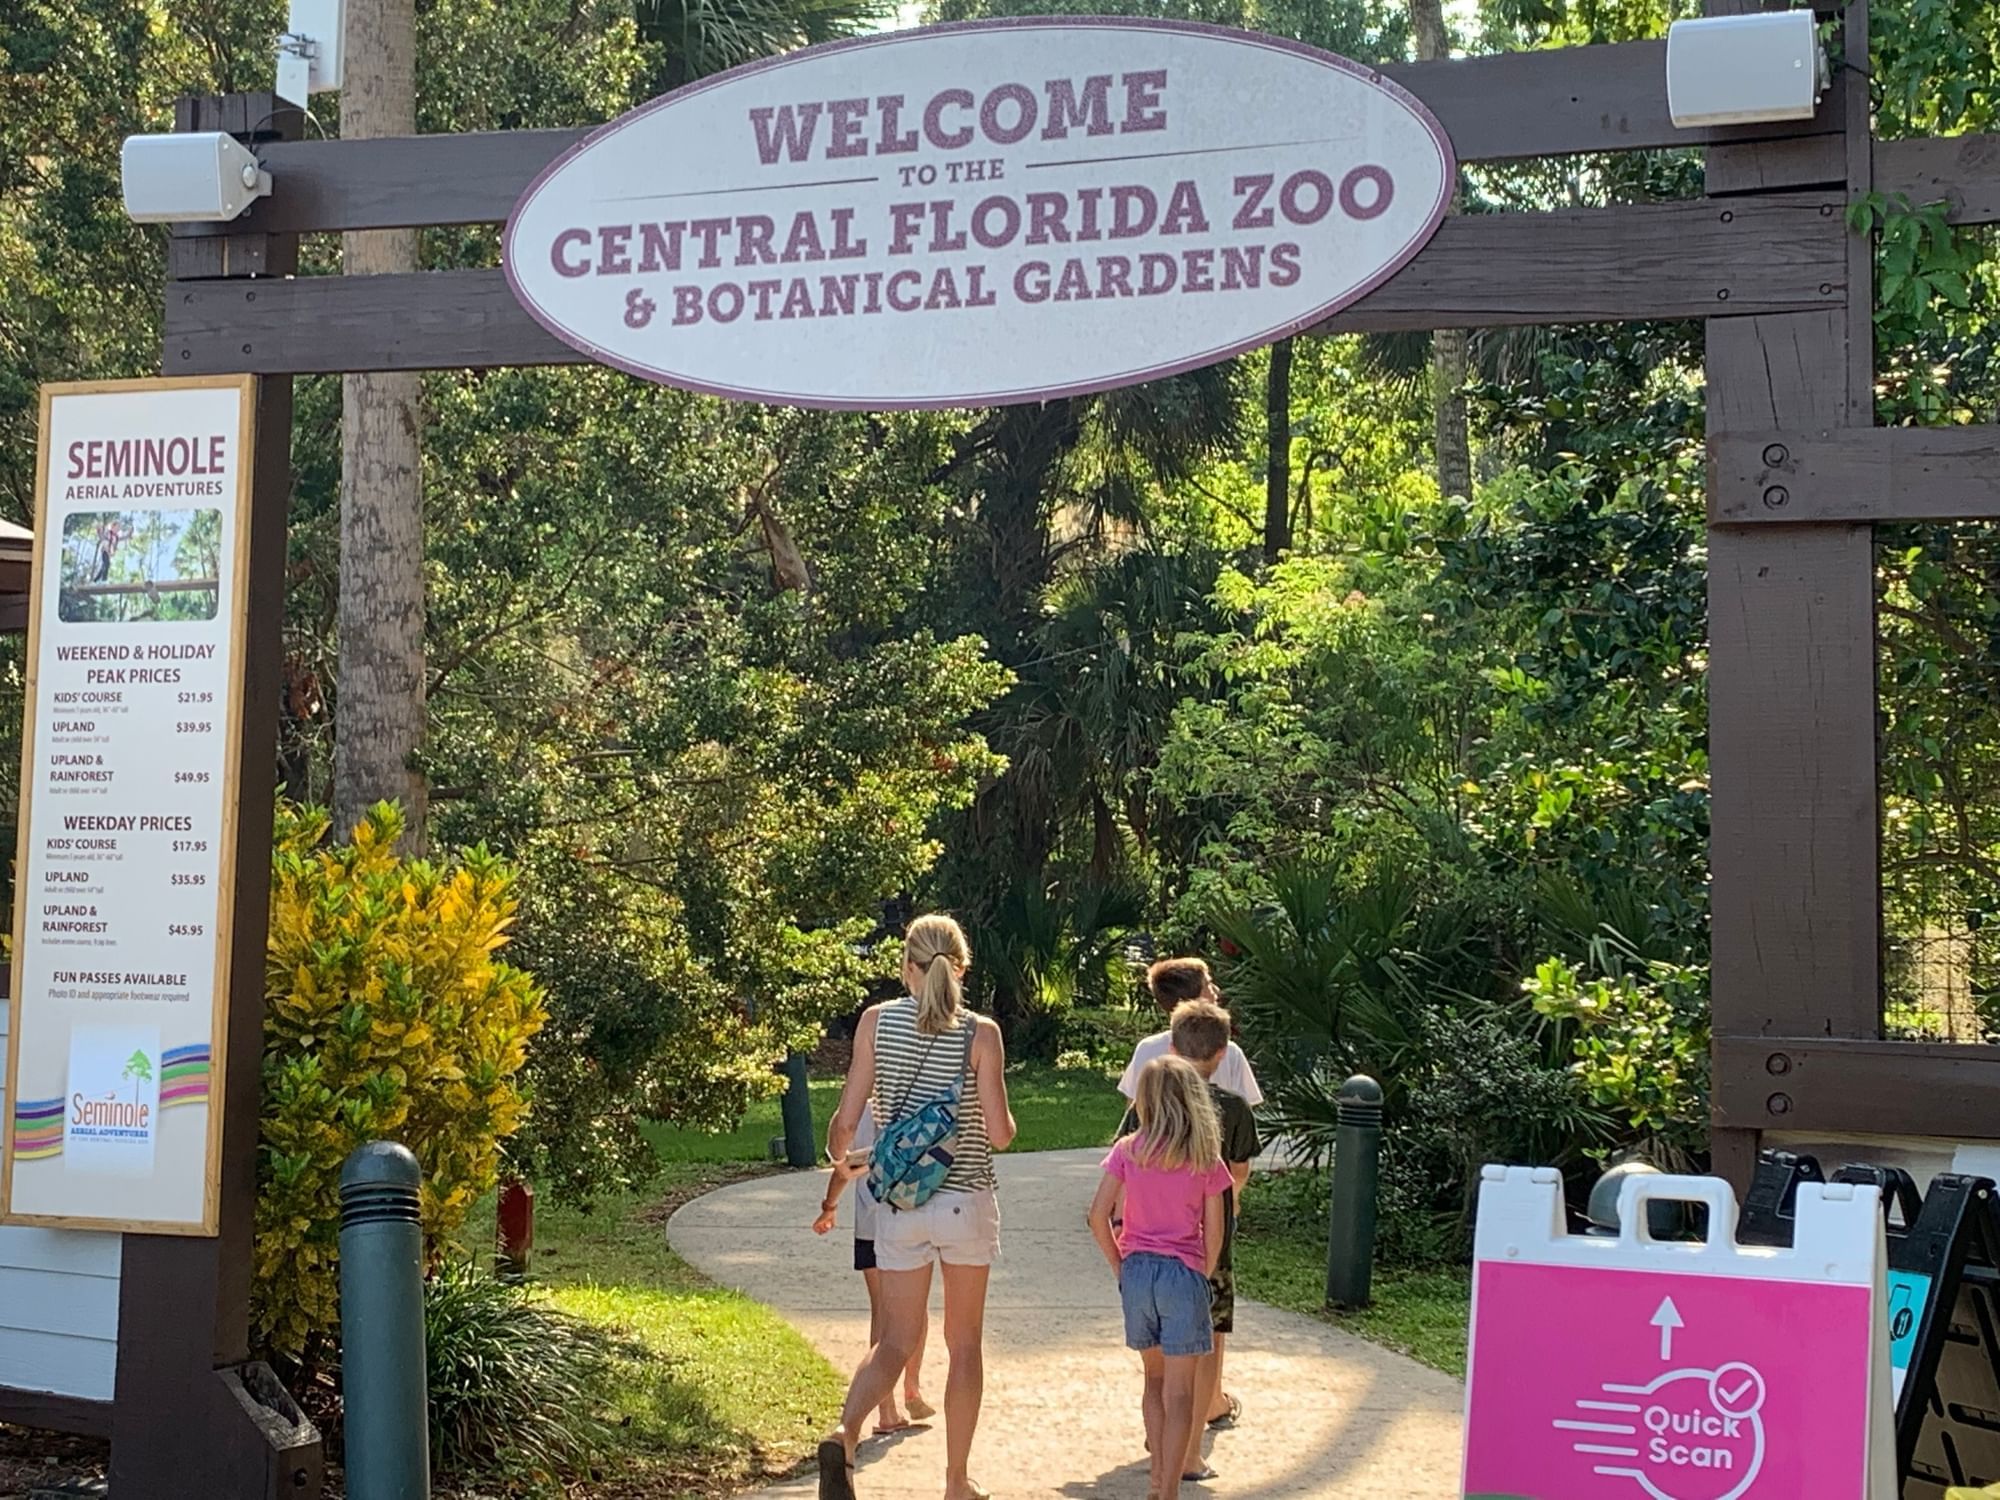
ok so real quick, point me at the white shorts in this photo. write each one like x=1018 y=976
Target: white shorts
x=960 y=1229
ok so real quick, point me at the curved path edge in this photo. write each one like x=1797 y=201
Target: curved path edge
x=1326 y=1414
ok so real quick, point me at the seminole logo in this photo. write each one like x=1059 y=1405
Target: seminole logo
x=115 y=1107
x=123 y=1112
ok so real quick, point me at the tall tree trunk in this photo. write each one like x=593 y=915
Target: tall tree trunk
x=380 y=712
x=1448 y=345
x=1278 y=464
x=1451 y=438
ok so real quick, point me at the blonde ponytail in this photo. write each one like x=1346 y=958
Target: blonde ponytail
x=1178 y=1126
x=936 y=948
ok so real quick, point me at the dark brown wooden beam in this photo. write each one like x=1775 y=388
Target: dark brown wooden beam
x=1505 y=107
x=1963 y=170
x=48 y=1413
x=1770 y=166
x=1675 y=260
x=1794 y=843
x=1871 y=474
x=1856 y=1087
x=192 y=1415
x=1644 y=262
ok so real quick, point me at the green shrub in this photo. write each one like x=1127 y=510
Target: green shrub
x=388 y=1017
x=516 y=1386
x=1641 y=1045
x=1106 y=1035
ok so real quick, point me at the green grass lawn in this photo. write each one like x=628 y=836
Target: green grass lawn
x=716 y=1392
x=1054 y=1109
x=1281 y=1259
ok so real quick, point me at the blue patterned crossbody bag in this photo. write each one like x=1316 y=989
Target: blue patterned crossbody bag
x=913 y=1154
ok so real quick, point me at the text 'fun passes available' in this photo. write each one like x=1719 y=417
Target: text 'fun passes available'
x=980 y=214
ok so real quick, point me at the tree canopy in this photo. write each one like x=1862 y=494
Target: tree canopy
x=735 y=688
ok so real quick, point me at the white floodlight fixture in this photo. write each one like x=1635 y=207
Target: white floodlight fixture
x=311 y=55
x=189 y=179
x=1742 y=70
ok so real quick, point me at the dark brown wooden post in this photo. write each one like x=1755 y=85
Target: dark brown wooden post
x=1795 y=844
x=193 y=1417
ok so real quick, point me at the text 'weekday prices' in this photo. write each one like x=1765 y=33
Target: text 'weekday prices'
x=120 y=963
x=980 y=214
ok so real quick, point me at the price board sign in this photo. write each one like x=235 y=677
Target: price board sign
x=125 y=863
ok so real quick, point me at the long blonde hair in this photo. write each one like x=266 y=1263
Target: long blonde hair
x=1178 y=1126
x=937 y=949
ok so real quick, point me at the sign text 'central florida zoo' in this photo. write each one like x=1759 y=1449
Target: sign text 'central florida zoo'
x=980 y=214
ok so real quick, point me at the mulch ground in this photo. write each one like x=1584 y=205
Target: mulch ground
x=33 y=1464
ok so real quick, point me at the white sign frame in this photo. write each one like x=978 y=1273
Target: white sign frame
x=1062 y=268
x=213 y=816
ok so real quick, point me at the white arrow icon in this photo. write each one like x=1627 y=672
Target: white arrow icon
x=1667 y=1318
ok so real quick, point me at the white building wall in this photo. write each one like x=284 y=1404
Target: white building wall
x=58 y=1300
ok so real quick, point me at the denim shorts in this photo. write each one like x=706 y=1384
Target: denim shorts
x=1166 y=1306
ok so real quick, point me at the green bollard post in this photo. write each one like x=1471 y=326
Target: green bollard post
x=384 y=1377
x=1350 y=1247
x=801 y=1146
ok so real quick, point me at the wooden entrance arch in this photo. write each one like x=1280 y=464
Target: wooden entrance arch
x=1799 y=477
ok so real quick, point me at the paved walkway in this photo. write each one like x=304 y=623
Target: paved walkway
x=1327 y=1415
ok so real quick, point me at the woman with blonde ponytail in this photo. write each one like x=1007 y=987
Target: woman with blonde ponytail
x=909 y=1054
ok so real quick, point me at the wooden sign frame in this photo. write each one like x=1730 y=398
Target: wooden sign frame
x=1799 y=474
x=226 y=853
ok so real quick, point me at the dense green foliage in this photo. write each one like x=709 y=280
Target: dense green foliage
x=732 y=688
x=516 y=1386
x=390 y=1016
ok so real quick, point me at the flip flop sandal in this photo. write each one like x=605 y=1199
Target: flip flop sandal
x=1200 y=1476
x=1229 y=1418
x=836 y=1473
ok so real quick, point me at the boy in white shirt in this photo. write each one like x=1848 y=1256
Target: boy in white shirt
x=1171 y=981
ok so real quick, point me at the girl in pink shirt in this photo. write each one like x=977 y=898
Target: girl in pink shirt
x=1166 y=1181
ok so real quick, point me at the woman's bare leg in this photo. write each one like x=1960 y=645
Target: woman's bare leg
x=965 y=1381
x=904 y=1298
x=887 y=1417
x=913 y=1375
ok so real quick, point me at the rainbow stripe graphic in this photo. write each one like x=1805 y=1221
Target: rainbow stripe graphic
x=184 y=1074
x=38 y=1129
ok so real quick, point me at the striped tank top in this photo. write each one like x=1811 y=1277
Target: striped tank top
x=917 y=1068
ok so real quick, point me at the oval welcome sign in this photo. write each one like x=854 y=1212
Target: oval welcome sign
x=979 y=214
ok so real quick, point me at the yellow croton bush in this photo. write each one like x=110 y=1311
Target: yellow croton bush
x=389 y=1017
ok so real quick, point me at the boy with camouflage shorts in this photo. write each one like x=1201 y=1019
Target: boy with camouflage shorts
x=1201 y=1035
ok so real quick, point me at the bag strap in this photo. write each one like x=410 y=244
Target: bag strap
x=965 y=1058
x=916 y=1077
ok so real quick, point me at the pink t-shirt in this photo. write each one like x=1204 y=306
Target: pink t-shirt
x=1162 y=1208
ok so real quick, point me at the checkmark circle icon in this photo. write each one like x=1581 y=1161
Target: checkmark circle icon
x=1736 y=1390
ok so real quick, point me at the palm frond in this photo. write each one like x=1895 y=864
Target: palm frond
x=700 y=37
